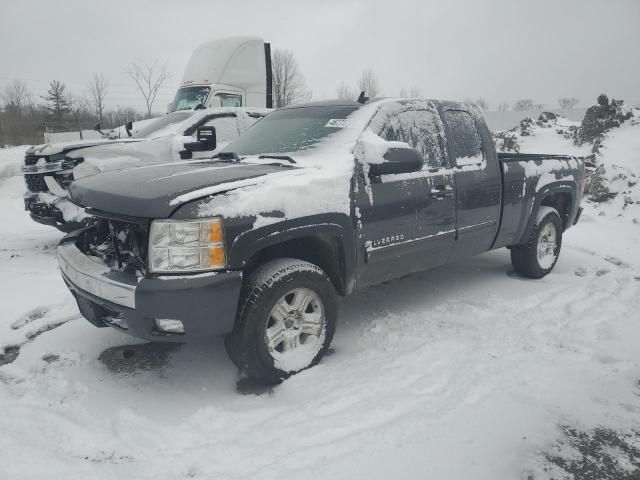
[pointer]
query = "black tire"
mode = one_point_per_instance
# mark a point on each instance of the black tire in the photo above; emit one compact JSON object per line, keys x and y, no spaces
{"x":268,"y":284}
{"x":524,"y":258}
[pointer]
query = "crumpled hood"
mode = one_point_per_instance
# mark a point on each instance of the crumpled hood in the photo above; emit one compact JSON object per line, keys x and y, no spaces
{"x":151,"y":191}
{"x":64,"y":147}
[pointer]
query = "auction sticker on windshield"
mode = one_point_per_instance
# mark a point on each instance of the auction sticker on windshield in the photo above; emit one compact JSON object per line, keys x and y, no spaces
{"x":337,"y":123}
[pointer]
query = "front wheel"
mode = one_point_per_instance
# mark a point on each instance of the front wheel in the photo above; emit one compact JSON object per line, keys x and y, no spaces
{"x":286,"y":321}
{"x":539,"y":255}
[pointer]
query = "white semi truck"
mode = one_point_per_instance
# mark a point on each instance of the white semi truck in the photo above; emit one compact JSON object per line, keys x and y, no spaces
{"x":227,"y":72}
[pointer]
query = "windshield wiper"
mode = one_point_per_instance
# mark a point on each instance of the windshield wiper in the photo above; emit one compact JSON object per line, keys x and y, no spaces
{"x":227,"y":156}
{"x":279,"y":157}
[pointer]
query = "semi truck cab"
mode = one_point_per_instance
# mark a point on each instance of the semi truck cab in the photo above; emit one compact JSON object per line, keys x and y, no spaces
{"x":226,"y":72}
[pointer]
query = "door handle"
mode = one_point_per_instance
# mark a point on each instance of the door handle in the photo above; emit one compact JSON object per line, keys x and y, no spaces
{"x":440,"y":192}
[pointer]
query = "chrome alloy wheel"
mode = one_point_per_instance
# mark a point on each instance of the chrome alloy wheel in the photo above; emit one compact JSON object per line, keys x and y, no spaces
{"x":296,"y":321}
{"x":547,"y":244}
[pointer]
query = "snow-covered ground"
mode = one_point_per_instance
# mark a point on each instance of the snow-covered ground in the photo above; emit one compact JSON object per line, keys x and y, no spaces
{"x":465,"y":372}
{"x":11,"y":160}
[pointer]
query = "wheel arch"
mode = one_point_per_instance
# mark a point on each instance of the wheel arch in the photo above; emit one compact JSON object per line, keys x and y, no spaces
{"x":559,"y":195}
{"x":327,"y":244}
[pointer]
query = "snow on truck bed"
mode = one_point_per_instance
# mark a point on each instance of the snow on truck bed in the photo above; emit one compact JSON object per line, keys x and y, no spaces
{"x":468,"y":371}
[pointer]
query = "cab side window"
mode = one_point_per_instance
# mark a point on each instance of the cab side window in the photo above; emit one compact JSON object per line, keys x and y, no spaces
{"x":465,"y":146}
{"x":226,"y":127}
{"x":229,"y":100}
{"x":421,"y":130}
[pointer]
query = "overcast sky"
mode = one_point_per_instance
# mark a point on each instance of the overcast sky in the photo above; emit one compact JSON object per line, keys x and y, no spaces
{"x":501,"y":50}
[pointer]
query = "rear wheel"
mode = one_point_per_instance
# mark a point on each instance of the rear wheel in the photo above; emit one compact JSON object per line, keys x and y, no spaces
{"x":539,"y":255}
{"x":286,"y":321}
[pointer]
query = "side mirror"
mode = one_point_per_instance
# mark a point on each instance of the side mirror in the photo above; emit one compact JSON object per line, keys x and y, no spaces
{"x":205,"y":142}
{"x":397,"y":160}
{"x":128,"y":127}
{"x":207,"y":136}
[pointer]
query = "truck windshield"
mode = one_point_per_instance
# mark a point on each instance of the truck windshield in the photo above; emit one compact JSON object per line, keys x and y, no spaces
{"x":291,"y":130}
{"x":188,"y":98}
{"x":163,"y":125}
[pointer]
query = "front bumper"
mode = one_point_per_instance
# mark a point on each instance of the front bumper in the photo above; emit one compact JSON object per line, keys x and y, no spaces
{"x":205,"y":303}
{"x":48,"y":214}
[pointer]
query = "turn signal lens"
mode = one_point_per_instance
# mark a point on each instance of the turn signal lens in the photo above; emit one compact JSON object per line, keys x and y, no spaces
{"x":216,"y":257}
{"x":215,"y":232}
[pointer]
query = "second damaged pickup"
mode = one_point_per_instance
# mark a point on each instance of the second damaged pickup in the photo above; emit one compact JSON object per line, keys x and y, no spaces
{"x":313,"y":202}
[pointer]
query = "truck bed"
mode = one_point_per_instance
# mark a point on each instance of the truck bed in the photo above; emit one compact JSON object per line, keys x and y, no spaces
{"x":525,"y":177}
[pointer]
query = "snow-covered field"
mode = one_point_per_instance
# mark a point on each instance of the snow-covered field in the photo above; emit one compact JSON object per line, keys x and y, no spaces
{"x":465,"y":372}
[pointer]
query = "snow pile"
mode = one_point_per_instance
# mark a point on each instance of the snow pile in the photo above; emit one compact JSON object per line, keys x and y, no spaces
{"x":551,"y":133}
{"x":608,"y":138}
{"x":11,"y":160}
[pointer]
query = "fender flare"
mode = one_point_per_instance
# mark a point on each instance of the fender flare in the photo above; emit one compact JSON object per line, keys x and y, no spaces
{"x":247,"y":244}
{"x":561,"y":186}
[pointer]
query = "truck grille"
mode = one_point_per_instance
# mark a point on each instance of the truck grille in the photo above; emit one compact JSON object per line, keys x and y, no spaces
{"x":121,"y":245}
{"x":31,"y":159}
{"x":35,"y":182}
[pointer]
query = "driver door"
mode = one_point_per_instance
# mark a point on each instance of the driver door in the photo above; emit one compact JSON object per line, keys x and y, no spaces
{"x":406,"y":220}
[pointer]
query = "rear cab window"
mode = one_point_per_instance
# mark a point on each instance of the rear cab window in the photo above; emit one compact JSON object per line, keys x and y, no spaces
{"x":463,"y":139}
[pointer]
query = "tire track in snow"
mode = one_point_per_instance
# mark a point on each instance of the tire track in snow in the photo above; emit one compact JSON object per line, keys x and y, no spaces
{"x":30,"y":326}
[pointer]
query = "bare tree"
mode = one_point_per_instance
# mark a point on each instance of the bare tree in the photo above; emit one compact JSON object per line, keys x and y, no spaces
{"x":16,"y":95}
{"x":414,"y":92}
{"x":345,"y":92}
{"x":149,"y":77}
{"x":482,"y":104}
{"x":79,"y":110}
{"x":479,"y":102}
{"x":289,"y":85}
{"x":368,"y":83}
{"x":568,"y":102}
{"x":121,"y":115}
{"x":98,"y":89}
{"x":57,"y":100}
{"x":523,"y":104}
{"x":503,"y":107}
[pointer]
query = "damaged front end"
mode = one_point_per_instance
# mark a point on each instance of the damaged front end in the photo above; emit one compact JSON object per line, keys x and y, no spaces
{"x":121,"y":243}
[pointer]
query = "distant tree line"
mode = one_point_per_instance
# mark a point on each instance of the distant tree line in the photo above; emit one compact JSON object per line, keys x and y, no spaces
{"x":25,"y":117}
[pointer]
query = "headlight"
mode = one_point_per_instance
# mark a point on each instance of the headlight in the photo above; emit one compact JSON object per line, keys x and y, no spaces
{"x":186,"y":245}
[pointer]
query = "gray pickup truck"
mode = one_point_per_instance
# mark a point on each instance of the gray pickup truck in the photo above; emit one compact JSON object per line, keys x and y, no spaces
{"x":313,"y":202}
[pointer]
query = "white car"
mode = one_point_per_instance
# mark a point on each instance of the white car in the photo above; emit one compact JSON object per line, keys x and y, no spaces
{"x":49,"y":169}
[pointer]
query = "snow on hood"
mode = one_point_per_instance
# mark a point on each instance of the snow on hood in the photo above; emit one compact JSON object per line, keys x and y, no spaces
{"x":119,"y":156}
